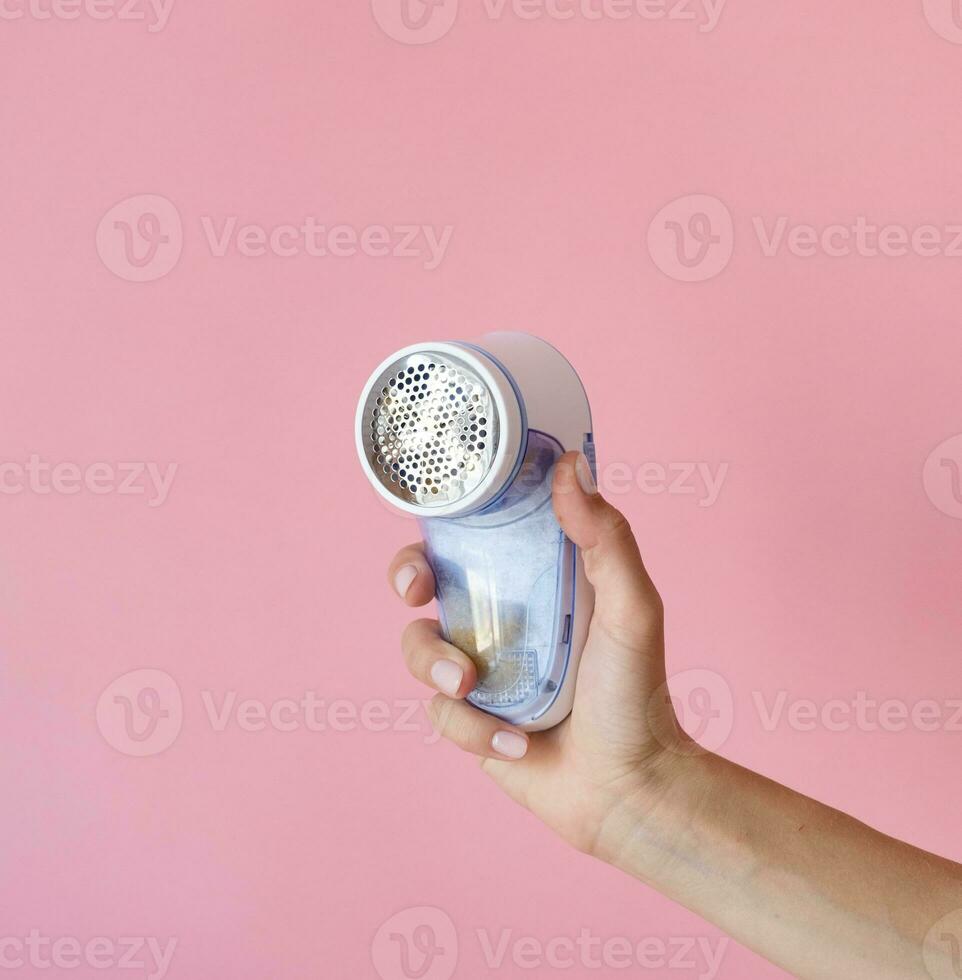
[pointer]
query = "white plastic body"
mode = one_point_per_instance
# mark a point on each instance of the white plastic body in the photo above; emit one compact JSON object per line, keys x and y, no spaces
{"x":534,"y":389}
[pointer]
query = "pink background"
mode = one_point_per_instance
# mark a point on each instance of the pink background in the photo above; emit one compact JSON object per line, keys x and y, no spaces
{"x":824,"y":568}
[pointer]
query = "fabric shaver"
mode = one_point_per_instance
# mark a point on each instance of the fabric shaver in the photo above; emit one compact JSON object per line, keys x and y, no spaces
{"x":464,"y":436}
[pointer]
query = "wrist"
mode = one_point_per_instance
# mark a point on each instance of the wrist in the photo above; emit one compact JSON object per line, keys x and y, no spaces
{"x":649,"y":826}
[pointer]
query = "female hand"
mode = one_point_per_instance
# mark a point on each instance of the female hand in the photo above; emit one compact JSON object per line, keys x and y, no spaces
{"x":810,"y":888}
{"x":620,"y":740}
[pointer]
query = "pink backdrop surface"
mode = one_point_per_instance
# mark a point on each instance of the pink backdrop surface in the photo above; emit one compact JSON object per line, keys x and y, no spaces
{"x":626,"y":185}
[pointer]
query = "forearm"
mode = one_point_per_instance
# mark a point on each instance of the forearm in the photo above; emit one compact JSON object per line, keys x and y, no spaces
{"x":804,"y":885}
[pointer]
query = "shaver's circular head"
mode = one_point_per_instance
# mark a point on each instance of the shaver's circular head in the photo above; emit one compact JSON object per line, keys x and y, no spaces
{"x":430,"y":428}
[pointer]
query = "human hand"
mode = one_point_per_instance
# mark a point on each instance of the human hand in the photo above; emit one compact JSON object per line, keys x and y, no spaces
{"x":621,"y":739}
{"x":813,"y":890}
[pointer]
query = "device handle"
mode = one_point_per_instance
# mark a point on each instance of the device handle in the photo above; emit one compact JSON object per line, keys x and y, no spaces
{"x":506,"y":579}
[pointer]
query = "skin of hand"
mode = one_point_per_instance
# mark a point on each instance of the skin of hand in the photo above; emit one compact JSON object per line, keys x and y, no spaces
{"x":808,"y":887}
{"x":621,"y":732}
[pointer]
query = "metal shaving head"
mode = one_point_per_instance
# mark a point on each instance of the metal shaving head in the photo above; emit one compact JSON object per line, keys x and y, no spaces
{"x":430,"y":429}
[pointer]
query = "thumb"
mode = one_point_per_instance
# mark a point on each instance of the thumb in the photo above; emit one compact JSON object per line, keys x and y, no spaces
{"x":627,"y":605}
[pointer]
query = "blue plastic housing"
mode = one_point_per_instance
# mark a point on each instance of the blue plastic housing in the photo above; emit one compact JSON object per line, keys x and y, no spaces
{"x":505,"y":585}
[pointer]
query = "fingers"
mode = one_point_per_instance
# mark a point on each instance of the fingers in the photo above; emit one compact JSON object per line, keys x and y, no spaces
{"x":411,"y":577}
{"x":444,"y":667}
{"x":476,"y":732}
{"x":435,"y":662}
{"x":626,"y":601}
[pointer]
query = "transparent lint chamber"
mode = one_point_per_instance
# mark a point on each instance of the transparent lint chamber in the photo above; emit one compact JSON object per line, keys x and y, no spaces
{"x":505,"y":586}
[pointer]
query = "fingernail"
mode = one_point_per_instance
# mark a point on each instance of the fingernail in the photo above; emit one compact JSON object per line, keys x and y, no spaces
{"x":509,"y":744}
{"x":583,"y":471}
{"x":403,"y":578}
{"x":447,"y":676}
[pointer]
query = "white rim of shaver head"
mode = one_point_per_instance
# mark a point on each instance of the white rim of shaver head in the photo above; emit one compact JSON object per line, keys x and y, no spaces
{"x":510,"y":422}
